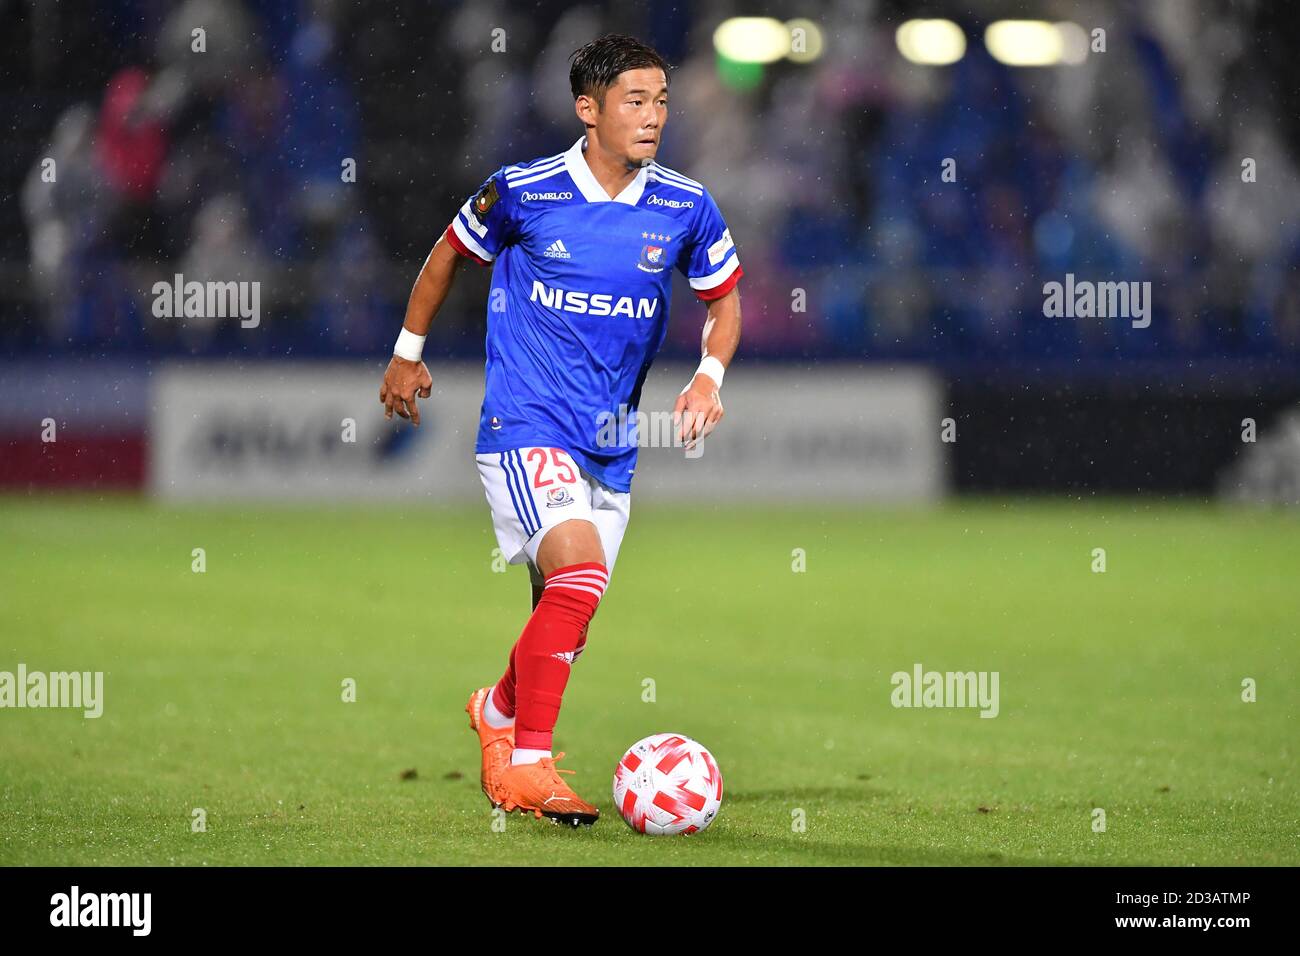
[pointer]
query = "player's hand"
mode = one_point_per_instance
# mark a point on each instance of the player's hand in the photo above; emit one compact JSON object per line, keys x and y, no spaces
{"x":403,"y":381}
{"x":698,"y":410}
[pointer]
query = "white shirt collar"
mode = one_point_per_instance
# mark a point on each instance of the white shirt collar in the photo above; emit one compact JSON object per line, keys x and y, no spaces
{"x":593,"y":191}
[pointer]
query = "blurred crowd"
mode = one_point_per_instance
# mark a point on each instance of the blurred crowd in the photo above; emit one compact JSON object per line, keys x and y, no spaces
{"x":232,"y":163}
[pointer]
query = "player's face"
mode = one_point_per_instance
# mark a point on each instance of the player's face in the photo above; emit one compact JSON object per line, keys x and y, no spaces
{"x":636,"y":109}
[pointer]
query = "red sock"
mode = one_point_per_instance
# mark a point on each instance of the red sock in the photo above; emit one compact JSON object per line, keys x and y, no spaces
{"x":503,"y":694}
{"x":533,"y":685}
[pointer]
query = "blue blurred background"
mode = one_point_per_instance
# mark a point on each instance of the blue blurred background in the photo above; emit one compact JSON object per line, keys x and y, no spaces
{"x":1157,"y":144}
{"x":1126,"y":166}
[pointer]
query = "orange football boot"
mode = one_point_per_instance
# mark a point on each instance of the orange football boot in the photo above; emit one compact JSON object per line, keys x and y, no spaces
{"x":497,"y":744}
{"x":539,"y":788}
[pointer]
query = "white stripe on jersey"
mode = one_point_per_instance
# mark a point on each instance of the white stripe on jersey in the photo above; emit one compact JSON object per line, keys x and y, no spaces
{"x":532,"y":179}
{"x":516,"y":172}
{"x":704,"y":283}
{"x":673,"y":174}
{"x":676,"y":185}
{"x":472,"y":220}
{"x":471,"y":243}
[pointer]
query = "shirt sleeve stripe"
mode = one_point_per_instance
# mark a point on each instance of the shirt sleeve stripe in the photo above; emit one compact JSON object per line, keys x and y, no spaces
{"x":472,"y":221}
{"x":674,"y":174}
{"x":513,"y":176}
{"x":718,"y":291}
{"x":511,"y":184}
{"x":704,"y":283}
{"x":464,"y":244}
{"x":676,"y":185}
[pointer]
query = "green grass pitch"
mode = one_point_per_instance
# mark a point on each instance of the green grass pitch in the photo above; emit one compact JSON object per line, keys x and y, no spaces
{"x":1119,"y":690}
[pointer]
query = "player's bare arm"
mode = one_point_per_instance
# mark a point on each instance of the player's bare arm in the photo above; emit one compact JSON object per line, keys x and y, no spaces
{"x":406,"y":378}
{"x":699,"y":407}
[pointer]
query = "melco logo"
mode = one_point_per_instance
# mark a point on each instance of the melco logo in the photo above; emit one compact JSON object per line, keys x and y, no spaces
{"x":526,"y":197}
{"x":671,"y":203}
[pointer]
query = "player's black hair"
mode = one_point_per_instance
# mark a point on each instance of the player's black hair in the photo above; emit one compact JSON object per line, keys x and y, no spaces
{"x":597,"y":65}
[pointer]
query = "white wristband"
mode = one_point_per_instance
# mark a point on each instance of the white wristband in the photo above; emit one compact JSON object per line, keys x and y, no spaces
{"x":409,"y":345}
{"x":712,"y":368}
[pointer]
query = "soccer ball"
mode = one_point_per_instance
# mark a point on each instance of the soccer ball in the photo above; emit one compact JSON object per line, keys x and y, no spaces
{"x":667,"y":784}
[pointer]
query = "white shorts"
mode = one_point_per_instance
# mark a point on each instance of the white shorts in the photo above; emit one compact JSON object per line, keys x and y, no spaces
{"x":531,"y":490}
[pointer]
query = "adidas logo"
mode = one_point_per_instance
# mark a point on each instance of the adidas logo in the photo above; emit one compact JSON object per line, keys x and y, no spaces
{"x":556,"y":250}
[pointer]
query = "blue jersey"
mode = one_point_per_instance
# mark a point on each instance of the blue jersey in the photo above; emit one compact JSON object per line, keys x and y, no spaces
{"x":579,"y":300}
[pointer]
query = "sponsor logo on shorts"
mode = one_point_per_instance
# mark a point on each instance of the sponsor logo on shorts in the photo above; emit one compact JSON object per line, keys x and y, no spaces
{"x":558,"y":498}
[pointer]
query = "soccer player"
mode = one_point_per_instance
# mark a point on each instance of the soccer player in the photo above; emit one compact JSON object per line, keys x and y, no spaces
{"x":583,"y":245}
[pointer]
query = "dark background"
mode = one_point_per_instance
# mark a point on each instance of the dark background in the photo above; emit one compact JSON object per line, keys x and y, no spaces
{"x":1125,"y":167}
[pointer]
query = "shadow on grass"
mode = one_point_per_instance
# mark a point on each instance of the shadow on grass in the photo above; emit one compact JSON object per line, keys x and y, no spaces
{"x":849,"y":793}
